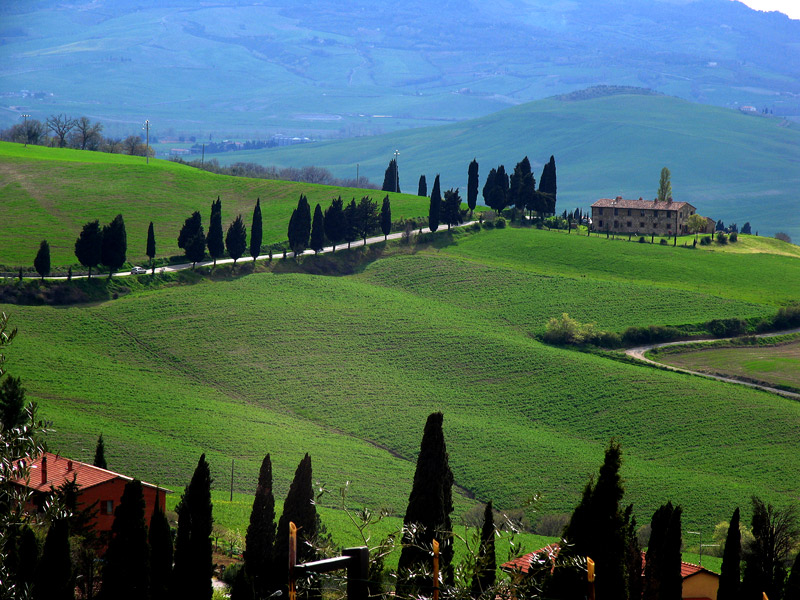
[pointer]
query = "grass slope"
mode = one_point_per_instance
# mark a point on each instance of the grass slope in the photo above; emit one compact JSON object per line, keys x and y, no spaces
{"x":731,"y":166}
{"x":49,"y":193}
{"x":347,"y":368}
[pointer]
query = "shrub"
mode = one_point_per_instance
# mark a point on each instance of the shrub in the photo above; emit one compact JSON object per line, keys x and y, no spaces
{"x":722,"y":239}
{"x":726,"y":327}
{"x":642,"y":240}
{"x":552,"y":525}
{"x":784,"y":237}
{"x":556,"y":222}
{"x":663,"y":242}
{"x":488,"y":224}
{"x":734,"y":237}
{"x":500,"y":223}
{"x":230,"y":572}
{"x":649,"y":335}
{"x":705,"y":240}
{"x":475,"y":227}
{"x":787,"y":317}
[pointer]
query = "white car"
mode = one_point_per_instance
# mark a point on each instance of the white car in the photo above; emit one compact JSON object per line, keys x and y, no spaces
{"x":138,"y":271}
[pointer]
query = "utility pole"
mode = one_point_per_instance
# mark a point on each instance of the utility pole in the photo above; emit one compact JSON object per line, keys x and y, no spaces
{"x":147,"y":147}
{"x":203,"y":157}
{"x":27,"y":135}
{"x":396,"y":172}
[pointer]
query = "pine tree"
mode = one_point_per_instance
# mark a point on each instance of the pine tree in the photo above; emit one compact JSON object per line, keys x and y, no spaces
{"x":160,"y":540}
{"x":100,"y":453}
{"x":42,"y":261}
{"x":633,"y":555}
{"x":435,"y":206}
{"x":367,"y":218}
{"x":428,"y":514}
{"x":391,"y":178}
{"x":299,"y":508}
{"x":792,"y":589}
{"x":256,"y":231}
{"x":236,"y":239}
{"x":730,"y":573}
{"x":88,"y":246}
{"x":350,"y":214}
{"x":472,"y":185}
{"x":335,"y":223}
{"x":451,"y":209}
{"x":662,"y":572}
{"x":486,"y":563}
{"x":317,"y":241}
{"x":548,"y":183}
{"x":126,"y":572}
{"x":260,"y":540}
{"x":422,"y":188}
{"x":664,"y":186}
{"x":214,"y":241}
{"x":386,"y":218}
{"x":150,"y":250}
{"x":115,"y":245}
{"x":193,"y":564}
{"x":12,"y":403}
{"x":192,"y":238}
{"x":54,"y":578}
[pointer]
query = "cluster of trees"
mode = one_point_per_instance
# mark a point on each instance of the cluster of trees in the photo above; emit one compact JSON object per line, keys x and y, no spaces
{"x":447,"y":210}
{"x":338,"y":223}
{"x":67,"y":132}
{"x":519,"y":190}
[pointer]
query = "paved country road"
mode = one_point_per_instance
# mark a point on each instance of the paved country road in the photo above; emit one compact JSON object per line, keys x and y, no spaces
{"x":639,"y":354}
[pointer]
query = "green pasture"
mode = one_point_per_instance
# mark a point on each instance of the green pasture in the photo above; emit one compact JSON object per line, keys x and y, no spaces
{"x":50,"y":193}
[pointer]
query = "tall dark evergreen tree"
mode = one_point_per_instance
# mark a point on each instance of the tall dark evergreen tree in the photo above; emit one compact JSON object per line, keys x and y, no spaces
{"x":496,"y":189}
{"x":214,"y":241}
{"x":42,"y":261}
{"x":386,"y":217}
{"x":12,"y":402}
{"x":54,"y":577}
{"x":633,"y":555}
{"x":192,"y":238}
{"x":451,"y":208}
{"x":260,"y":540}
{"x":89,"y":245}
{"x":236,"y":239}
{"x":160,"y":540}
{"x":317,"y":241}
{"x":730,"y":573}
{"x":126,"y":571}
{"x":428,"y":514}
{"x":335,"y":223}
{"x":350,"y":214}
{"x":256,"y":231}
{"x":662,"y":572}
{"x":193,"y":564}
{"x":115,"y":245}
{"x":300,"y":226}
{"x":25,"y":557}
{"x":150,"y":249}
{"x":792,"y":589}
{"x":486,"y":563}
{"x":100,"y":453}
{"x":367,"y":218}
{"x":391,"y":178}
{"x":299,"y":508}
{"x":472,"y":185}
{"x":520,"y":184}
{"x":422,"y":188}
{"x":435,"y":207}
{"x":548,"y":183}
{"x":746,"y":229}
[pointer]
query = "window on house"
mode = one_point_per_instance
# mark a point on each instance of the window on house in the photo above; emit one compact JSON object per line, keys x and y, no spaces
{"x":641,"y":213}
{"x":629,"y":224}
{"x":655,"y":214}
{"x":600,"y":223}
{"x":616,"y":224}
{"x":600,"y":211}
{"x":641,"y":223}
{"x":109,"y":507}
{"x":629,"y":212}
{"x":616,"y":212}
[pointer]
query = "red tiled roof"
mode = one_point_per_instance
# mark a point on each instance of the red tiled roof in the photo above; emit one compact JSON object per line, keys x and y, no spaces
{"x":61,"y":469}
{"x":523,"y":563}
{"x":639,"y":204}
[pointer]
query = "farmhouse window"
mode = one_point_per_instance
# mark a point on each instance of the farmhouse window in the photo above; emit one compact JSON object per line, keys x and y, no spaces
{"x":601,"y":211}
{"x":616,"y":224}
{"x":629,"y":212}
{"x":616,"y":212}
{"x":108,"y":507}
{"x":600,"y":223}
{"x":641,"y":213}
{"x":655,"y":214}
{"x":629,"y":223}
{"x":641,"y":223}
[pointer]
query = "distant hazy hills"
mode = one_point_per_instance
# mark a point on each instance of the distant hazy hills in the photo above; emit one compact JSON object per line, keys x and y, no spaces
{"x":247,"y":68}
{"x":732,"y":166}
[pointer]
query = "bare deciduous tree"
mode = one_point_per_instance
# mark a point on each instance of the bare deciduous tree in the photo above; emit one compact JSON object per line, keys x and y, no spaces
{"x":61,"y":125}
{"x":87,"y":134}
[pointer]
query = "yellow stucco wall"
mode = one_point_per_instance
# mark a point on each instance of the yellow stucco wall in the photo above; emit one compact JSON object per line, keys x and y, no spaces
{"x":701,"y":585}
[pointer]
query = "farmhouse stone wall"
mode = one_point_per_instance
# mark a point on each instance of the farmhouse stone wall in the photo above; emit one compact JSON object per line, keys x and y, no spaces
{"x":642,"y":217}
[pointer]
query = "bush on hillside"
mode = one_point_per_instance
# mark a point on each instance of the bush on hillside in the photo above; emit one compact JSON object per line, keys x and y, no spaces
{"x":556,"y":222}
{"x":552,"y":525}
{"x":705,"y":240}
{"x":734,"y":237}
{"x":642,"y":240}
{"x":565,"y":330}
{"x":488,"y":224}
{"x":649,"y":335}
{"x":663,"y":242}
{"x":788,"y":317}
{"x":500,"y":223}
{"x":726,"y":327}
{"x":722,"y":239}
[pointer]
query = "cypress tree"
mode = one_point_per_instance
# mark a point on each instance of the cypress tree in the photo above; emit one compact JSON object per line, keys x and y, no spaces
{"x":486,"y":563}
{"x":42,"y":261}
{"x":501,"y":182}
{"x":192,"y":238}
{"x":256,"y":231}
{"x":300,"y":226}
{"x":664,"y":186}
{"x":26,"y":557}
{"x":730,"y":573}
{"x":351,"y":222}
{"x":88,"y":246}
{"x":422,"y":188}
{"x":391,"y":178}
{"x":472,"y":185}
{"x":317,"y":241}
{"x":775,"y":534}
{"x":100,"y":453}
{"x":428,"y":514}
{"x":518,"y":184}
{"x":792,"y":589}
{"x":299,"y":508}
{"x":366,"y":217}
{"x":386,"y":218}
{"x":435,"y":206}
{"x":54,"y":578}
{"x":662,"y":572}
{"x":126,"y":572}
{"x":150,"y":250}
{"x":260,"y":540}
{"x":160,"y":539}
{"x":633,"y":555}
{"x":236,"y":239}
{"x":746,"y":229}
{"x":115,"y":244}
{"x":214,"y":241}
{"x":488,"y":187}
{"x":335,"y":223}
{"x":452,"y":208}
{"x":12,"y":403}
{"x":193,"y":564}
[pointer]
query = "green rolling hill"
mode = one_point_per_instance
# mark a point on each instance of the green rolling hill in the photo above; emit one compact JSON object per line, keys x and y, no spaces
{"x":732,"y":166}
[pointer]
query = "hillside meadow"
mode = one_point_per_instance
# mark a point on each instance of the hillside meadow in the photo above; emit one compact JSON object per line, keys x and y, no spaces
{"x":347,"y":368}
{"x":50,"y":193}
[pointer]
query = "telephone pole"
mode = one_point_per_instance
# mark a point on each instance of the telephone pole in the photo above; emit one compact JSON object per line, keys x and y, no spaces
{"x":147,"y":147}
{"x":396,"y":172}
{"x":27,"y":135}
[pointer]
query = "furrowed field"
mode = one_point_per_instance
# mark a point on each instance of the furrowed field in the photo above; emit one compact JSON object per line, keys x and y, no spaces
{"x":347,"y":368}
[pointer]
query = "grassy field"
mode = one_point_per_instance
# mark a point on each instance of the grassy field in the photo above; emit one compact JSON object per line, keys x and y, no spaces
{"x":49,"y":193}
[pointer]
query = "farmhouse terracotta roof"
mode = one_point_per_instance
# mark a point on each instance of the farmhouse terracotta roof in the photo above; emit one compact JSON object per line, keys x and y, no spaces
{"x":54,"y":470}
{"x":620,"y":202}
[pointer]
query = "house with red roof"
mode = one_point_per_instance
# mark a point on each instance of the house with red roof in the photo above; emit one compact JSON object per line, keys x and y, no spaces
{"x":641,"y":217}
{"x":698,"y":582}
{"x":98,"y":488}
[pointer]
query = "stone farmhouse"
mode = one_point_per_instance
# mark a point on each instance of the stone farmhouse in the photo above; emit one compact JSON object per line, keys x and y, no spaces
{"x":641,"y":217}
